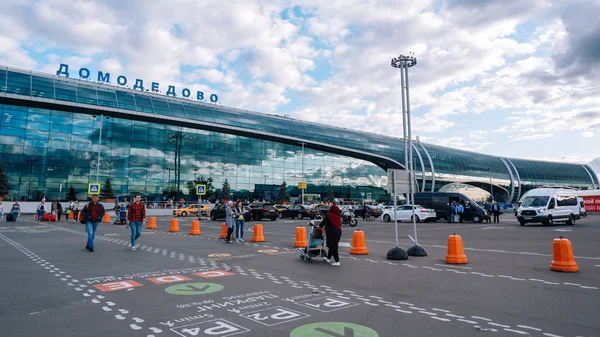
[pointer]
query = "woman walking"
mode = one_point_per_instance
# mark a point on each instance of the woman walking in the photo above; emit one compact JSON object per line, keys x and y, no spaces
{"x":333,"y":232}
{"x":229,"y":214}
{"x":239,"y":222}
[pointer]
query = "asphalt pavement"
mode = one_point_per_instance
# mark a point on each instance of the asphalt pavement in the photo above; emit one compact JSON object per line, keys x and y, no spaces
{"x":178,"y":284}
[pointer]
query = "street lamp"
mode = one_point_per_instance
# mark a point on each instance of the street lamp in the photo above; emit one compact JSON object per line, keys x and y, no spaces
{"x":30,"y":161}
{"x":403,"y":62}
{"x":265,"y":176}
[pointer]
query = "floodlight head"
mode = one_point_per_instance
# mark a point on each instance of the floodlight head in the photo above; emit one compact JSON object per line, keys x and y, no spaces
{"x":404,"y":61}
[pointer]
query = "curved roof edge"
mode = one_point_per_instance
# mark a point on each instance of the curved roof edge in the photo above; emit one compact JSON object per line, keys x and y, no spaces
{"x":381,"y":161}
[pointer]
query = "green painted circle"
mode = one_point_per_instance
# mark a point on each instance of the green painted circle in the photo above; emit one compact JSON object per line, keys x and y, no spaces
{"x":328,"y":329}
{"x":194,"y":288}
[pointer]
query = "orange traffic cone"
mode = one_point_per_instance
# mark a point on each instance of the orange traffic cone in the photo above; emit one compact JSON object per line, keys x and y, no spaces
{"x":359,"y":246}
{"x":152,"y":223}
{"x":195,"y":227}
{"x":456,"y":252}
{"x":174,"y":226}
{"x":70,"y":215}
{"x":562,"y":259}
{"x":258,"y":234}
{"x":301,"y":241}
{"x":106,"y":218}
{"x":223,"y":231}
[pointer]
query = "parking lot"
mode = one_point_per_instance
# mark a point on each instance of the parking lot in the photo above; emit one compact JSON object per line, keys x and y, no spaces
{"x":182,"y":285}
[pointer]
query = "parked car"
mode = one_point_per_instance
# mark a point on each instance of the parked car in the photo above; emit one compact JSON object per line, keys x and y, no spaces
{"x":261,"y":210}
{"x":191,"y":209}
{"x":299,"y":211}
{"x":374,"y":211}
{"x":281,"y":207}
{"x":404,"y":213}
{"x":323,"y":209}
{"x":218,"y":213}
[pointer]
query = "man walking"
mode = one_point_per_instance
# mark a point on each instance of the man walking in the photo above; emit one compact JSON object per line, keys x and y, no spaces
{"x":136,"y":218}
{"x":91,"y":215}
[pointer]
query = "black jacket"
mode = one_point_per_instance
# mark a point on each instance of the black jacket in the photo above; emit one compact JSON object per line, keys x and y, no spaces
{"x":85,"y":214}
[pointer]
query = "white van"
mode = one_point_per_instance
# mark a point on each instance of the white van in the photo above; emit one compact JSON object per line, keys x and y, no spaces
{"x":549,"y":205}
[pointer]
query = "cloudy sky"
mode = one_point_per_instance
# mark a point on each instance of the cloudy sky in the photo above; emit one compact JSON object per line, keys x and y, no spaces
{"x":509,"y":78}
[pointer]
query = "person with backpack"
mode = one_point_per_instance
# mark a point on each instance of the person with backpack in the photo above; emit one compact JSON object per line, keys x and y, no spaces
{"x":41,"y":210}
{"x":91,"y":215}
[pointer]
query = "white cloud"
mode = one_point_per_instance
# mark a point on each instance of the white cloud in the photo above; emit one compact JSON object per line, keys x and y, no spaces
{"x":518,"y":64}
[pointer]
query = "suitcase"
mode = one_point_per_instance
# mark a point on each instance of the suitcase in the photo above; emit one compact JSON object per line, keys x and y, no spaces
{"x":10,"y":217}
{"x":49,"y":217}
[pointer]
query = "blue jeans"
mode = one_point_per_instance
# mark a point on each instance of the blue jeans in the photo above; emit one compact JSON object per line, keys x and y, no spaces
{"x":15,"y":216}
{"x":136,"y":231}
{"x":91,"y":228}
{"x":41,"y":215}
{"x":239,"y":229}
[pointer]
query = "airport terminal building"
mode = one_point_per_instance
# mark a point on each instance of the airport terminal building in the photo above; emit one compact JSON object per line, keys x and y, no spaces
{"x":52,"y":129}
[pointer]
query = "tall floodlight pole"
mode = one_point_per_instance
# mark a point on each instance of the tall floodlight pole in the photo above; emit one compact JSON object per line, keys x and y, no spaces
{"x":403,"y":62}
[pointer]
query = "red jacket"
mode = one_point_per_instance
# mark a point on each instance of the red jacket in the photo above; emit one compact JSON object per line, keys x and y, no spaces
{"x":136,"y":212}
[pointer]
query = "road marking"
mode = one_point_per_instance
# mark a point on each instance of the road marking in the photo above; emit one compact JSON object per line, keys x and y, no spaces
{"x":500,"y":325}
{"x":344,"y":244}
{"x":442,"y":310}
{"x":404,"y":311}
{"x":572,"y":284}
{"x":481,"y":318}
{"x":447,"y":266}
{"x":529,"y":327}
{"x":441,"y":319}
{"x":517,"y":331}
{"x":467,"y":321}
{"x":551,"y":334}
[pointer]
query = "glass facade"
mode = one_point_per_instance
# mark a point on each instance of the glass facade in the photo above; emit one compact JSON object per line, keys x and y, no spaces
{"x":49,"y":136}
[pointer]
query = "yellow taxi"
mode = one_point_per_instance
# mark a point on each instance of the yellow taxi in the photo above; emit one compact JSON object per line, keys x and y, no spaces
{"x":190,"y":209}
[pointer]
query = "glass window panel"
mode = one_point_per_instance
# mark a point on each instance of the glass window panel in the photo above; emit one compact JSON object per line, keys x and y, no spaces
{"x":42,"y":87}
{"x":18,"y":83}
{"x":143,"y":103}
{"x":2,"y":80}
{"x":176,"y":109}
{"x":87,"y":96}
{"x":64,"y":91}
{"x":160,"y":106}
{"x":107,"y":98}
{"x":125,"y":100}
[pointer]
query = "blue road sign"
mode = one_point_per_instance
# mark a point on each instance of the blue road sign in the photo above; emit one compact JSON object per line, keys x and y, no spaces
{"x":93,"y":188}
{"x":201,"y":189}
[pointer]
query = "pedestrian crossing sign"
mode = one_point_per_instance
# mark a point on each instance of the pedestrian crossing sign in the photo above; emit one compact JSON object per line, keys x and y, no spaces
{"x":93,"y":188}
{"x":200,"y":189}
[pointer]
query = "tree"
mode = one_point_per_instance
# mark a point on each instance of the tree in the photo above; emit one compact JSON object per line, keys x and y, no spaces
{"x":4,"y":186}
{"x":226,"y":191}
{"x":106,"y":192}
{"x":72,"y":195}
{"x":283,"y":194}
{"x":330,"y":195}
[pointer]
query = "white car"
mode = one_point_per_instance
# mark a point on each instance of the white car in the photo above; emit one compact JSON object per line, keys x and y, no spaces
{"x":404,"y":213}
